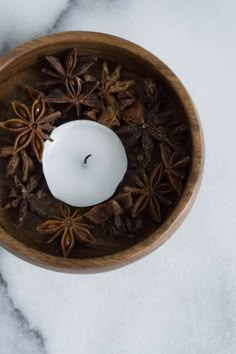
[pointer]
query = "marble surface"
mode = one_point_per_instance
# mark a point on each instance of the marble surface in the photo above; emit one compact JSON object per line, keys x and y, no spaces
{"x":180,"y":299}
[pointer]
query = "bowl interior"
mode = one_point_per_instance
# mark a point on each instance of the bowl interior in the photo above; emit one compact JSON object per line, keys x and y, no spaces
{"x":22,"y":67}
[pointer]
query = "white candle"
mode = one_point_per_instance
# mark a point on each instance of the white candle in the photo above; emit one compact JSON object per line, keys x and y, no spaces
{"x":84,"y":163}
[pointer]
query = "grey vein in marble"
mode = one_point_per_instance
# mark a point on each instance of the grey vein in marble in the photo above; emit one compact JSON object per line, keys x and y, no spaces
{"x":16,"y":334}
{"x":62,"y":16}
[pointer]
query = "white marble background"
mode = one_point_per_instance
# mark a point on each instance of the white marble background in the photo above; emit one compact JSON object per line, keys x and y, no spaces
{"x":182,"y":298}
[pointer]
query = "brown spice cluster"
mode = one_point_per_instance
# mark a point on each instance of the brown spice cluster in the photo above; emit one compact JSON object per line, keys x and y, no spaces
{"x":146,"y":120}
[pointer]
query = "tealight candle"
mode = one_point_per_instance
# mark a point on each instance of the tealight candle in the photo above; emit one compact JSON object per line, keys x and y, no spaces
{"x":84,"y":163}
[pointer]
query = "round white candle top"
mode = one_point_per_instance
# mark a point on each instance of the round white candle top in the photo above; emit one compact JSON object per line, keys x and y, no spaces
{"x":84,"y":163}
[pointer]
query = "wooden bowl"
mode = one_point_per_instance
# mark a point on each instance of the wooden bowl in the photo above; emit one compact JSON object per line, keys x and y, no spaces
{"x":14,"y":69}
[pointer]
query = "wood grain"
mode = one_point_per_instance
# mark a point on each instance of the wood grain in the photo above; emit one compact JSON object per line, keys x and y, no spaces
{"x":20,"y":59}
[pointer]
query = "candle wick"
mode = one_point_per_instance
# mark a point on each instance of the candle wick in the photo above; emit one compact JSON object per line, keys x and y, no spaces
{"x":86,"y":158}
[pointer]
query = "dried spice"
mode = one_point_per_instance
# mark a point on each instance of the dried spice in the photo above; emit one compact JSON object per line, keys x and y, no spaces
{"x":134,"y":114}
{"x":149,"y":192}
{"x":152,"y":95}
{"x":70,"y":227}
{"x":153,"y":130}
{"x":20,"y":161}
{"x":132,"y":109}
{"x":126,"y":226}
{"x":35,"y":94}
{"x":24,"y":197}
{"x":174,"y":167}
{"x":111,"y":85}
{"x":115,"y":207}
{"x":146,"y":118}
{"x":75,"y":97}
{"x":67,"y":72}
{"x":126,"y":99}
{"x":107,"y":117}
{"x":139,"y":159}
{"x":31,"y":126}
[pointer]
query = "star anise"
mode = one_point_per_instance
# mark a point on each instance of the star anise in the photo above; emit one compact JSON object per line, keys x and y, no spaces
{"x":24,"y":197}
{"x":70,"y":228}
{"x":65,"y":72}
{"x":126,"y":99}
{"x":138,"y":158}
{"x":126,"y":226}
{"x":76,"y":96}
{"x":35,"y":94}
{"x":150,"y":192}
{"x":131,"y":109}
{"x":107,"y":117}
{"x":20,"y":159}
{"x":31,"y":126}
{"x":174,"y":167}
{"x":111,"y":85}
{"x":115,"y":207}
{"x":153,"y":129}
{"x":152,"y":95}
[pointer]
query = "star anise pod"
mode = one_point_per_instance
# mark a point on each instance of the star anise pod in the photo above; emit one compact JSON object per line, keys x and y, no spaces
{"x":138,"y":158}
{"x":70,"y":227}
{"x":111,"y":85}
{"x":35,"y":94}
{"x":153,"y":129}
{"x":131,"y":108}
{"x":126,"y":226}
{"x":65,"y":72}
{"x":24,"y":197}
{"x":149,"y":192}
{"x":20,"y":159}
{"x":174,"y":167}
{"x":115,"y":207}
{"x":126,"y":108}
{"x":152,"y":95}
{"x":125,"y":99}
{"x":76,"y":97}
{"x":107,"y":117}
{"x":133,"y":114}
{"x":31,"y":126}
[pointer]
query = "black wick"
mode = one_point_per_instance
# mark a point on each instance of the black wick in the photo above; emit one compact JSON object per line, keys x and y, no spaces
{"x":86,"y":158}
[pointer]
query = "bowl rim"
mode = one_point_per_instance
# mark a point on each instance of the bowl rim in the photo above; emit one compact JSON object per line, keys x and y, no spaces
{"x":170,"y":225}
